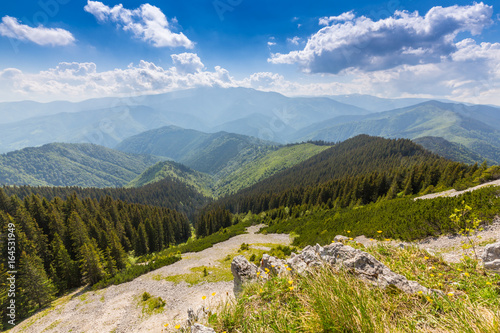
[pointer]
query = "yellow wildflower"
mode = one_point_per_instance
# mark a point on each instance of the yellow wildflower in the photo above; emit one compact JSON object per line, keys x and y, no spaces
{"x":466,"y":274}
{"x":291,"y":288}
{"x":348,"y":231}
{"x":379,"y":231}
{"x":488,"y":283}
{"x":203,"y":297}
{"x":450,"y":294}
{"x":420,"y":292}
{"x":177,"y":327}
{"x":288,"y":269}
{"x":426,"y":258}
{"x":291,"y":281}
{"x":213,"y":294}
{"x":166,"y":325}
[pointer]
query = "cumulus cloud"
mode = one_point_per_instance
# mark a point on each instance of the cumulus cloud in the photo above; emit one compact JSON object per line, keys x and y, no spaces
{"x":349,"y":16}
{"x":147,"y":23}
{"x":295,"y":40}
{"x":10,"y":27}
{"x":187,"y":63}
{"x":403,"y":39}
{"x":76,"y":81}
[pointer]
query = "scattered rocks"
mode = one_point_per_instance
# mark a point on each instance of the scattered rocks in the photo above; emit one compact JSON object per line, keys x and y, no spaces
{"x":198,"y":328}
{"x":491,"y":257}
{"x":336,"y":255}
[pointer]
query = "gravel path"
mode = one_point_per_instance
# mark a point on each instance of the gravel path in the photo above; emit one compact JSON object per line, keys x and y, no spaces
{"x":454,"y":193}
{"x":115,"y":309}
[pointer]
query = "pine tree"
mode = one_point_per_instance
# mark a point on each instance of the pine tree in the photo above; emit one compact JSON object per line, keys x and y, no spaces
{"x":35,"y":287}
{"x":65,"y":273}
{"x":91,"y":263}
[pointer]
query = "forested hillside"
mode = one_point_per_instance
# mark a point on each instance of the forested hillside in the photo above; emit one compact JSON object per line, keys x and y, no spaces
{"x":353,"y":173}
{"x":202,"y":182}
{"x":65,"y":164}
{"x":476,"y":127}
{"x":168,"y":193}
{"x":62,"y":244}
{"x":204,"y":152}
{"x":450,"y":150}
{"x":238,"y":174}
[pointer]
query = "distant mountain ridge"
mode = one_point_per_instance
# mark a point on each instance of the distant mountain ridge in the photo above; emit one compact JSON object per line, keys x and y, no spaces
{"x":65,"y":164}
{"x":450,"y":150}
{"x":108,"y":121}
{"x":456,"y":123}
{"x":205,"y":152}
{"x":237,"y":176}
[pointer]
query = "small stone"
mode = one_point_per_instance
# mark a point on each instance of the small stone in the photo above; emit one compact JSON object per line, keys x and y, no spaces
{"x":491,"y":257}
{"x":198,"y":328}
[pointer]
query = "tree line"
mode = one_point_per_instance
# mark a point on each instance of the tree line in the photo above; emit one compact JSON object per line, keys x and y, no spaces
{"x":62,"y":244}
{"x":353,"y":173}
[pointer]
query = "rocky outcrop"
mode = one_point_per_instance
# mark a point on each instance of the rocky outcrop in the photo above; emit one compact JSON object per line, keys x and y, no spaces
{"x":243,"y":272}
{"x":336,"y":255}
{"x":199,"y":328}
{"x":491,"y":257}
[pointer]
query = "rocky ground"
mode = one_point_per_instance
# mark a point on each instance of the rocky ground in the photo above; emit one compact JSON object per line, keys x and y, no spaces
{"x":117,"y":309}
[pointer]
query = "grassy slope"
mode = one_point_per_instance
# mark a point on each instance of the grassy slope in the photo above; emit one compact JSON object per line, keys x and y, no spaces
{"x":169,"y":169}
{"x":61,"y":164}
{"x":449,"y":150}
{"x":247,"y":168}
{"x":331,"y":301}
{"x":266,"y":166}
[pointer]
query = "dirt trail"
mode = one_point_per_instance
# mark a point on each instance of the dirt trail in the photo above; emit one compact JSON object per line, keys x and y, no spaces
{"x":454,"y":193}
{"x":116,"y":309}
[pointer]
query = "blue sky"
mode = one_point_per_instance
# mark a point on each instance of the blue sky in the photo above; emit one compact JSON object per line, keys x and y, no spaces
{"x":75,"y":49}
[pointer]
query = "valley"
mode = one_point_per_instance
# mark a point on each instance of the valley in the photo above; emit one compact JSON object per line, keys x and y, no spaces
{"x":135,"y":230}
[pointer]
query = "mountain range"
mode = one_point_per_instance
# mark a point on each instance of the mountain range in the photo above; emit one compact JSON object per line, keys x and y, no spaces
{"x":107,"y":122}
{"x":63,"y":164}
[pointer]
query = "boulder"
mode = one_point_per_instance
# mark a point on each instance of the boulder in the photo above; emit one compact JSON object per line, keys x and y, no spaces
{"x":198,"y":328}
{"x":491,"y":257}
{"x":361,"y":264}
{"x":243,"y":272}
{"x":340,"y":238}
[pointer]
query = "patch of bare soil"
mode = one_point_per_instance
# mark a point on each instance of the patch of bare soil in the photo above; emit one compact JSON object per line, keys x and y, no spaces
{"x":117,"y":309}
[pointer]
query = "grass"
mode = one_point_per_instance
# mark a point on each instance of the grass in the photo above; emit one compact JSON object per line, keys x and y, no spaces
{"x":331,"y":301}
{"x":52,"y":325}
{"x":133,"y":271}
{"x":151,"y":305}
{"x":222,"y":271}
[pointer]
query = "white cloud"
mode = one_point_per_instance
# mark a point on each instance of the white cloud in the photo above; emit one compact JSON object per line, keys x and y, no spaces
{"x":349,"y":16}
{"x":76,"y":81}
{"x":295,"y":40}
{"x":187,"y":63}
{"x":10,"y":27}
{"x":471,"y":75}
{"x":271,"y":43}
{"x":405,"y":38}
{"x":147,"y":23}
